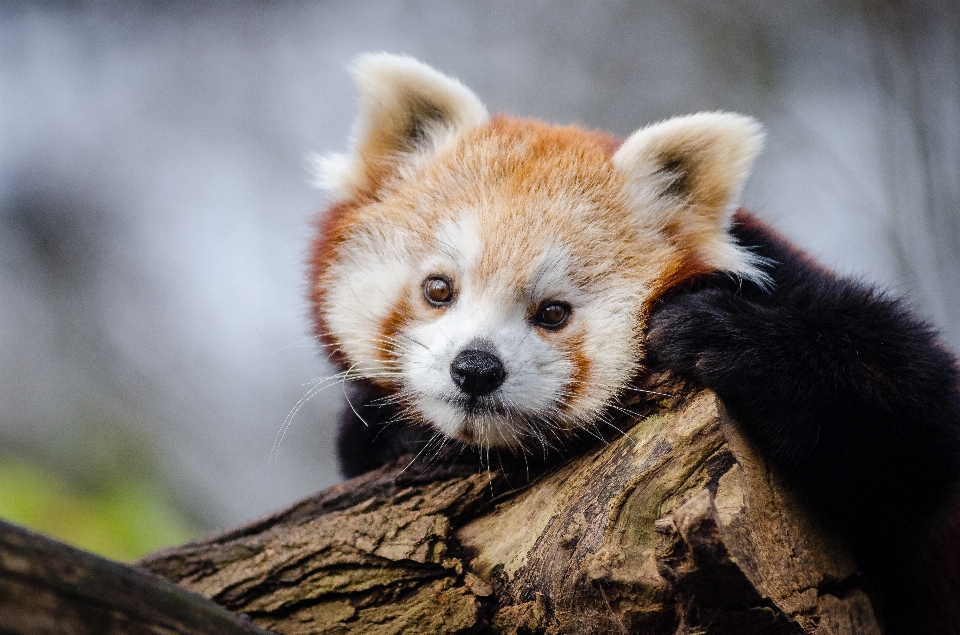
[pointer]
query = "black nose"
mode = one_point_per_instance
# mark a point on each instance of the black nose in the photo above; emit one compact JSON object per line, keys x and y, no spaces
{"x":477,"y":372}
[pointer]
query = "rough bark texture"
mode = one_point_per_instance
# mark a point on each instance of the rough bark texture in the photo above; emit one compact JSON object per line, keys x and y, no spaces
{"x":675,"y":527}
{"x":48,"y":588}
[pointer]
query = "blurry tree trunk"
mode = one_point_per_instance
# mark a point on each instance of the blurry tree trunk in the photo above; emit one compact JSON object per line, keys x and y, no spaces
{"x":49,"y":588}
{"x":675,"y":527}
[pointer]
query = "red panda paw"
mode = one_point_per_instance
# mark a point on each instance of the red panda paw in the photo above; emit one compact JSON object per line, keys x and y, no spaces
{"x":703,"y":335}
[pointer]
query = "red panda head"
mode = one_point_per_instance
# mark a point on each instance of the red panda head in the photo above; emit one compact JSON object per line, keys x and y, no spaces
{"x":493,"y":273}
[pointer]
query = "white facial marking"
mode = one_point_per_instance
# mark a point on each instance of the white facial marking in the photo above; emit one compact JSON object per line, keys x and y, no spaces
{"x":495,"y":318}
{"x":371,"y":276}
{"x":546,"y":391}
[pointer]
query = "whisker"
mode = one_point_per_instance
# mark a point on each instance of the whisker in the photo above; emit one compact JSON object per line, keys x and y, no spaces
{"x":652,"y":392}
{"x":417,"y":456}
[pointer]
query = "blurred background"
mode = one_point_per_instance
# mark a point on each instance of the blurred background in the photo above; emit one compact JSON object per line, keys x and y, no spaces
{"x":155,"y":207}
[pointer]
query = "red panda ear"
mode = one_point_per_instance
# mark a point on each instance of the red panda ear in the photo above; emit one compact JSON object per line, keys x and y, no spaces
{"x":684,"y":176}
{"x":407,"y":110}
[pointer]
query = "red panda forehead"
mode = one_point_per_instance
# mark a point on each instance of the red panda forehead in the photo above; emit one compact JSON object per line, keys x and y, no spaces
{"x":523,"y":157}
{"x":549,"y":190}
{"x":523,"y":187}
{"x":516,"y":159}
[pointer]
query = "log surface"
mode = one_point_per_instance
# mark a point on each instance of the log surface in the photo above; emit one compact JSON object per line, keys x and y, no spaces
{"x":675,"y":527}
{"x":49,"y":588}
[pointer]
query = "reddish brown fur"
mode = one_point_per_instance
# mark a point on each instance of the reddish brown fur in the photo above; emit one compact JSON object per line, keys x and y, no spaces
{"x":330,"y":232}
{"x":389,"y":329}
{"x":748,"y":220}
{"x":677,"y":273}
{"x":581,"y":373}
{"x":521,"y":156}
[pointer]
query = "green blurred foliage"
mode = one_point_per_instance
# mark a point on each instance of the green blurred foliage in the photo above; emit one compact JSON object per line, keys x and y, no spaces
{"x":121,"y":518}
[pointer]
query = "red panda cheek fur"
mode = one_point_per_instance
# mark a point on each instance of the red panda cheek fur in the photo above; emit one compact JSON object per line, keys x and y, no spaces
{"x":330,"y":228}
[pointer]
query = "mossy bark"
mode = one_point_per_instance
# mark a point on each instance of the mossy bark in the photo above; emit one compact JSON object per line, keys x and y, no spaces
{"x":675,"y":527}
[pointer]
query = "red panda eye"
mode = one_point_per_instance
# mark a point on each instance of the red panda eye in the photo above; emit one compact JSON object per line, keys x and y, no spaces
{"x":438,"y":290}
{"x":552,"y":315}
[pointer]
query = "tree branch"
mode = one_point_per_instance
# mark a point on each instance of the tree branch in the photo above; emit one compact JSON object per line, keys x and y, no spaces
{"x":48,"y":588}
{"x":675,"y":527}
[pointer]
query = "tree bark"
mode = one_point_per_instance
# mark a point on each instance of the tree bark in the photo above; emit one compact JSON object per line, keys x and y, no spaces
{"x":674,"y":527}
{"x":48,"y":588}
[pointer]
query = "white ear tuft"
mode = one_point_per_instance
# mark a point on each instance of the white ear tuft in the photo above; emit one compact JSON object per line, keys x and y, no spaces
{"x":330,"y":172}
{"x":685,"y":175}
{"x":407,"y":109}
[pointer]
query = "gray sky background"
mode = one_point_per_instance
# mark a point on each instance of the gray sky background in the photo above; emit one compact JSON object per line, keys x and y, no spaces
{"x":155,"y":207}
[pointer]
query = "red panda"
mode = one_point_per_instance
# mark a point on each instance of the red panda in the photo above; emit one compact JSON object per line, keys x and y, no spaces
{"x":500,"y":282}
